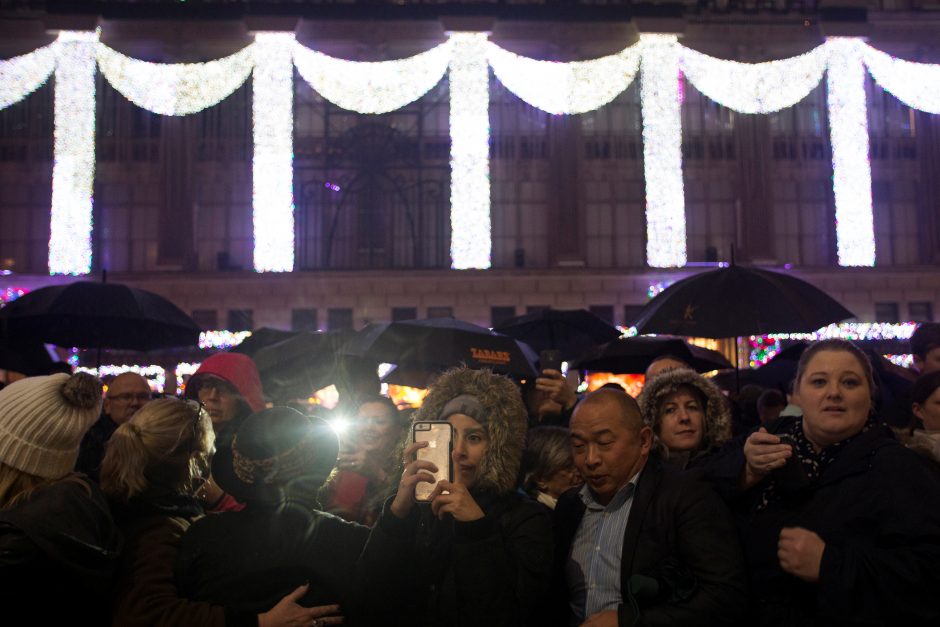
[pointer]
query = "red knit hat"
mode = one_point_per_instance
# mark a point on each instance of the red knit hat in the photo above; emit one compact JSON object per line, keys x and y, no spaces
{"x":237,"y":369}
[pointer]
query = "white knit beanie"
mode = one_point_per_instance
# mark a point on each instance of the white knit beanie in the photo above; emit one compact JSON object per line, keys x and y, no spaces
{"x":43,"y":420}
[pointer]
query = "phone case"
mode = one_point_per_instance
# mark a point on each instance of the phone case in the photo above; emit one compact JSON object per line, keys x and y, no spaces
{"x":439,"y":436}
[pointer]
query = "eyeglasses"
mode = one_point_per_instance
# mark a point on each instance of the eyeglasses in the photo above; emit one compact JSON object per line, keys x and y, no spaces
{"x":128,"y":397}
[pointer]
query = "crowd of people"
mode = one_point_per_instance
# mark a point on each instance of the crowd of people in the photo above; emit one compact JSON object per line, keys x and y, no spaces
{"x":603,"y":510}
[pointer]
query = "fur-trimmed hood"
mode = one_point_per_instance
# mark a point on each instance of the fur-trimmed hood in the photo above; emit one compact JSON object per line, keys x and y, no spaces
{"x":505,"y":426}
{"x":717,"y":412}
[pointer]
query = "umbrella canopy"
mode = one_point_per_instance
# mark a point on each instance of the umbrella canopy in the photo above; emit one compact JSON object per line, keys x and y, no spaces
{"x":435,"y":344}
{"x":27,"y":358}
{"x":98,"y":315}
{"x":570,"y":331}
{"x":737,"y":301}
{"x":261,"y":339}
{"x":633,"y":355}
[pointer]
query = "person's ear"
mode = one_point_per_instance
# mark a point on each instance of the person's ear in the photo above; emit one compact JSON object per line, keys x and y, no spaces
{"x":646,"y":439}
{"x":919,"y":363}
{"x":918,"y":411}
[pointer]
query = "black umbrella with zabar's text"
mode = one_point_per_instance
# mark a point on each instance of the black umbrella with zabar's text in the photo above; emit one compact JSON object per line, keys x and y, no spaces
{"x":435,"y":344}
{"x":87,"y":314}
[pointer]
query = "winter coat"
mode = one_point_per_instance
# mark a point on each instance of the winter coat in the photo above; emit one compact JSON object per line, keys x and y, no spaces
{"x":677,"y":524}
{"x":249,"y":560}
{"x":146,"y":592}
{"x":717,"y":413}
{"x":494,"y":571}
{"x":58,"y":553}
{"x":877,"y":508}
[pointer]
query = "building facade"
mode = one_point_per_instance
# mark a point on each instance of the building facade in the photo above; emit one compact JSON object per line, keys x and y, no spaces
{"x":173,"y":195}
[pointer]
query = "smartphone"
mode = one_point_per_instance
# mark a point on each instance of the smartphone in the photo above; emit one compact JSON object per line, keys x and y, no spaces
{"x":440,"y":437}
{"x":550,"y":359}
{"x":791,"y":477}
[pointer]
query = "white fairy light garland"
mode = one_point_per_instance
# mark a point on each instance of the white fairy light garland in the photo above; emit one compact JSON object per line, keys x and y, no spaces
{"x":273,"y":161}
{"x":565,"y":88}
{"x":851,"y":167}
{"x":372,"y":86}
{"x":470,"y":243}
{"x":755,"y":87}
{"x":73,"y":169}
{"x":174,"y":88}
{"x":743,"y":87}
{"x":24,"y":74}
{"x":662,"y":151}
{"x":915,"y":84}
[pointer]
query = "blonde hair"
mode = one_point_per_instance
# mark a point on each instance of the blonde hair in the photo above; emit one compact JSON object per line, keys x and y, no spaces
{"x":16,"y":485}
{"x":165,"y":445}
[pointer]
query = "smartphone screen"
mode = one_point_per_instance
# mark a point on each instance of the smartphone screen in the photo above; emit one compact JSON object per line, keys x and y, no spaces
{"x":550,"y":359}
{"x":439,"y":436}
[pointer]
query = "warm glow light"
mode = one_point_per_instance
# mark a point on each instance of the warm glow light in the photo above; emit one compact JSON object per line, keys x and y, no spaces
{"x":632,"y":383}
{"x":568,"y":88}
{"x":662,"y":151}
{"x":222,"y":339}
{"x":372,"y":87}
{"x":22,"y":75}
{"x":273,"y":165}
{"x":755,"y":87}
{"x":470,"y":242}
{"x":174,"y":88}
{"x":915,"y":84}
{"x":851,"y":167}
{"x":407,"y":397}
{"x":73,"y":169}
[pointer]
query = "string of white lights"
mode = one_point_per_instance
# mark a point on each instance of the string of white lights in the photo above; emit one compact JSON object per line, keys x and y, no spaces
{"x":470,"y":242}
{"x":73,"y":169}
{"x":155,"y":375}
{"x":915,"y":84}
{"x":273,"y":165}
{"x":22,"y":75}
{"x":662,"y":151}
{"x":174,"y":88}
{"x":851,"y":167}
{"x":565,"y":88}
{"x":754,"y":87}
{"x":372,"y":87}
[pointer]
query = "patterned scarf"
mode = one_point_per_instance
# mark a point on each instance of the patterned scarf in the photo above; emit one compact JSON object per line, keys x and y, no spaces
{"x":813,"y":463}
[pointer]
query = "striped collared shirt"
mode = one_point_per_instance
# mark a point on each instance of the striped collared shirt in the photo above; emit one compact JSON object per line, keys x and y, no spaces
{"x":593,"y":569}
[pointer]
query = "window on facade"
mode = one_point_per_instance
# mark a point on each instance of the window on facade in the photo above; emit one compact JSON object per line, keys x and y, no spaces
{"x":207,"y":319}
{"x":404,"y":313}
{"x":339,"y":319}
{"x":921,"y":311}
{"x":887,"y":312}
{"x":498,"y":315}
{"x":240,"y":320}
{"x":305,"y":319}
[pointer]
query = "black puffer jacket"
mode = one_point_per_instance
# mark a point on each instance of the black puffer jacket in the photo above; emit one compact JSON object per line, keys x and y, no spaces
{"x":489,"y":572}
{"x":58,"y":554}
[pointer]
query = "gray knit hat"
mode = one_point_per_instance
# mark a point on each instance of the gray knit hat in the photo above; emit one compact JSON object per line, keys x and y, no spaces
{"x":43,"y":420}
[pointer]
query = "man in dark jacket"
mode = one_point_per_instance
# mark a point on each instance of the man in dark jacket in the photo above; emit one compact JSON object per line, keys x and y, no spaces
{"x":640,"y":543}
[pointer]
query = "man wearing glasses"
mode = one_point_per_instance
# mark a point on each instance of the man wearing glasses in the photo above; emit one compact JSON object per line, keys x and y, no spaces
{"x":126,"y":393}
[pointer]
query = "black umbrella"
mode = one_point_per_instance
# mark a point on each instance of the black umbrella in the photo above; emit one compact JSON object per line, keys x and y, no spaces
{"x":27,"y":358}
{"x":570,"y":331}
{"x":261,"y":339}
{"x":633,"y":355}
{"x":438,"y":343}
{"x":86,"y":314}
{"x":737,"y":301}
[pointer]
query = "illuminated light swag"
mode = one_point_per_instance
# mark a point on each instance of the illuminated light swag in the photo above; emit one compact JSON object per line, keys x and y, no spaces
{"x":174,"y":88}
{"x":372,"y":87}
{"x":755,"y":87}
{"x":662,"y":151}
{"x":565,"y":88}
{"x":851,"y":167}
{"x":273,"y":165}
{"x":915,"y":84}
{"x":470,"y":242}
{"x":73,"y":169}
{"x":22,"y":75}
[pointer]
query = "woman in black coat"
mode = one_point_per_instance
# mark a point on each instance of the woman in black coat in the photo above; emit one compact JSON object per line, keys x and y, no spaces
{"x":841,"y":522}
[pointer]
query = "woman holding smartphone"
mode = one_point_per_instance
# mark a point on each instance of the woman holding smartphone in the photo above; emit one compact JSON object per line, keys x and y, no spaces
{"x":476,"y":552}
{"x":855,"y":542}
